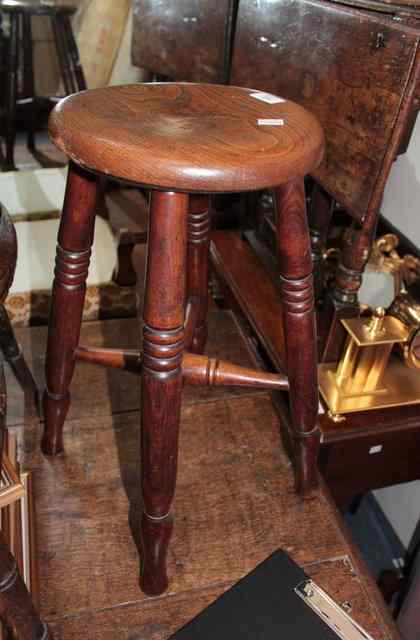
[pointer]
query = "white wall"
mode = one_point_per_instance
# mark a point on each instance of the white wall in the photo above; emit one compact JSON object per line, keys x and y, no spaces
{"x":401,"y":206}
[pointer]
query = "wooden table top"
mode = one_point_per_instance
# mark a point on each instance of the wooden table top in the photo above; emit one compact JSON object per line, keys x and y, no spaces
{"x":234,"y":504}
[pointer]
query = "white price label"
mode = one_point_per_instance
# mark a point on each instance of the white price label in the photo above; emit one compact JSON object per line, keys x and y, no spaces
{"x":266,"y":97}
{"x":376,"y":449}
{"x":273,"y":122}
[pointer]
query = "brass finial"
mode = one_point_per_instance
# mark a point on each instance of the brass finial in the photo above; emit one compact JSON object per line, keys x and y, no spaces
{"x":375,"y":326}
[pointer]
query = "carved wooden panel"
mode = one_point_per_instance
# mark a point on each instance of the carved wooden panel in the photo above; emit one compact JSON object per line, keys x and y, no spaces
{"x":185,"y":40}
{"x":351,"y":68}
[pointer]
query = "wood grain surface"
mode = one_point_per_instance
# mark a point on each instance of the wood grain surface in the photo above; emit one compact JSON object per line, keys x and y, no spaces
{"x":75,"y":238}
{"x":187,"y":40}
{"x":350,"y":68}
{"x":298,"y":320}
{"x":234,"y":504}
{"x":155,"y":620}
{"x":188,"y":137}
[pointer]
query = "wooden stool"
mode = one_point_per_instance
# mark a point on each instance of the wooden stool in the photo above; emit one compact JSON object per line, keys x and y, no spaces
{"x":181,"y":139}
{"x":20,"y":62}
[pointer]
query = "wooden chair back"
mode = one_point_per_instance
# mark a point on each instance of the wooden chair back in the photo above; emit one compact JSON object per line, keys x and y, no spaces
{"x":186,"y":40}
{"x":356,"y":70}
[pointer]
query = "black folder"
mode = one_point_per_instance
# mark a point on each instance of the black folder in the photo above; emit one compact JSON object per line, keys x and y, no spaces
{"x":270,"y":604}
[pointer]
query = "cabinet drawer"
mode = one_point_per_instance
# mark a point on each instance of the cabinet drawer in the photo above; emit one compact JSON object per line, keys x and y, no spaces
{"x":366,"y":462}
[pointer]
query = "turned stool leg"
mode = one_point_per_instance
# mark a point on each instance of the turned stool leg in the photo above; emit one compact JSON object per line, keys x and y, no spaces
{"x":75,"y":238}
{"x":15,"y":601}
{"x":197,"y":273}
{"x":296,"y":282}
{"x":163,"y":344}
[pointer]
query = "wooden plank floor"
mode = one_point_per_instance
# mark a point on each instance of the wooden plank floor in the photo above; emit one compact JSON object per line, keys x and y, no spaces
{"x":234,"y":504}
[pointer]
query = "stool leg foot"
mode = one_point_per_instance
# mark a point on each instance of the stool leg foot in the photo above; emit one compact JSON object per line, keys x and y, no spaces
{"x":163,"y":345}
{"x":155,"y":541}
{"x":72,"y":262}
{"x":55,"y":412}
{"x":297,"y":289}
{"x":197,"y":273}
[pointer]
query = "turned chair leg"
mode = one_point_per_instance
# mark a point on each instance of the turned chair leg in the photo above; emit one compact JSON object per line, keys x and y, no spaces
{"x":73,"y":53}
{"x":343,"y":297}
{"x":12,"y":80}
{"x":15,"y":601}
{"x":28,"y":78}
{"x":63,"y":55}
{"x":197,"y":273}
{"x":14,"y":356}
{"x":162,"y":380}
{"x":297,"y":290}
{"x":320,"y":213}
{"x":75,"y":239}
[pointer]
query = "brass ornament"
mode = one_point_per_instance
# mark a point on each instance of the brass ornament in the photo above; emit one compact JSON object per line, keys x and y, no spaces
{"x":380,"y":363}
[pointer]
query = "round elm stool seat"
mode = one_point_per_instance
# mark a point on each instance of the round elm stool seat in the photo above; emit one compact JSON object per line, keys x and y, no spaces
{"x":184,"y":142}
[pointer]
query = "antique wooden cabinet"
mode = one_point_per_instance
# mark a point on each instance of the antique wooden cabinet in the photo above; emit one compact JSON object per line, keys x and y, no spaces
{"x":184,"y":40}
{"x":359,"y":71}
{"x":349,"y":67}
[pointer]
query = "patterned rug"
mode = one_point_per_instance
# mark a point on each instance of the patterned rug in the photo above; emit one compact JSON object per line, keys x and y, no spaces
{"x":102,"y":302}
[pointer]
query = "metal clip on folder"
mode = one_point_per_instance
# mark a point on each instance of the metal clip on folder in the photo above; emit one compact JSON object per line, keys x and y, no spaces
{"x":276,"y":601}
{"x":333,"y":615}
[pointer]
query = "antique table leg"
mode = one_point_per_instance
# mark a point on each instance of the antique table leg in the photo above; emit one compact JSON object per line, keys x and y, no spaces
{"x":12,"y":72}
{"x":297,"y":290}
{"x":197,"y":273}
{"x":75,"y":238}
{"x":163,"y":344}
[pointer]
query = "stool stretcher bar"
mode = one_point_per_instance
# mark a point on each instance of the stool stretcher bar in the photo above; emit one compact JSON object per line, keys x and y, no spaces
{"x":197,"y":370}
